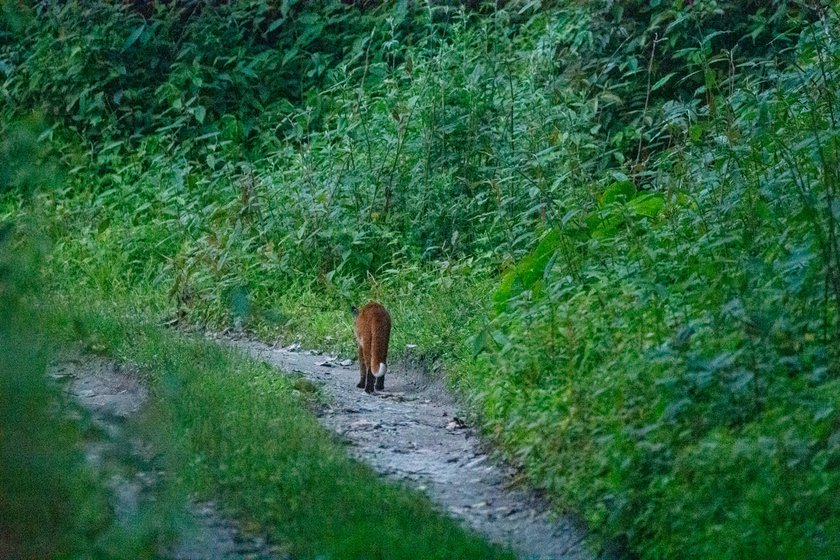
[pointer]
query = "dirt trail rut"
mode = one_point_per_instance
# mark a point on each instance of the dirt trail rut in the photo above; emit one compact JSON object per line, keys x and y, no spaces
{"x":114,"y":396}
{"x":412,"y":432}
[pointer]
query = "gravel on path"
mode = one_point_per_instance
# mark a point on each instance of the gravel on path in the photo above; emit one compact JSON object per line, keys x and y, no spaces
{"x":413,"y":432}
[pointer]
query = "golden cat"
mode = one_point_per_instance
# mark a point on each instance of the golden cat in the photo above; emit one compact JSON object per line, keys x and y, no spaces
{"x":373,"y":330}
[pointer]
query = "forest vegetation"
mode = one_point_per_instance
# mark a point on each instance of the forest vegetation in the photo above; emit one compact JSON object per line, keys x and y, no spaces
{"x":612,"y":225}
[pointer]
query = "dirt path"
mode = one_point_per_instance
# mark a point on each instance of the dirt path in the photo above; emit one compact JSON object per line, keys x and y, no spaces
{"x":115,"y":397}
{"x":412,"y":432}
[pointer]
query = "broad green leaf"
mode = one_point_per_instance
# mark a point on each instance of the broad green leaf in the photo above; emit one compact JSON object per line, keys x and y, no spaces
{"x":199,"y":112}
{"x":619,"y":191}
{"x":133,"y":37}
{"x":529,"y":271}
{"x":604,"y":223}
{"x":479,"y":343}
{"x":648,"y":204}
{"x":662,"y":81}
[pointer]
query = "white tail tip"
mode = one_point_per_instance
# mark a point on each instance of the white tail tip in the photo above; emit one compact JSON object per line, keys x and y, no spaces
{"x":382,"y":369}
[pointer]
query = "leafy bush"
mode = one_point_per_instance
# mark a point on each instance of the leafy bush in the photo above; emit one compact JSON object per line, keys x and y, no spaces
{"x":683,"y":372}
{"x":631,"y":207}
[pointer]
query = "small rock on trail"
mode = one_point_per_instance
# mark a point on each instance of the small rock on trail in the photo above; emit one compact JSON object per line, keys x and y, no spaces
{"x":412,"y":432}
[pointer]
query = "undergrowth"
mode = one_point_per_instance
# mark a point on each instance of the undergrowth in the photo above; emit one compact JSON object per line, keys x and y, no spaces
{"x":615,"y":223}
{"x":53,"y":502}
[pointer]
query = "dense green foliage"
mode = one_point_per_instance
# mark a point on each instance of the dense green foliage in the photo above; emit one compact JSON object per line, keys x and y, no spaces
{"x":49,"y":502}
{"x":617,"y":221}
{"x":55,"y":501}
{"x":52,"y":503}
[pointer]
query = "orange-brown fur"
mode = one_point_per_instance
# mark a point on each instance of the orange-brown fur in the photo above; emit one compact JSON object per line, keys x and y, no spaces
{"x":373,"y":331}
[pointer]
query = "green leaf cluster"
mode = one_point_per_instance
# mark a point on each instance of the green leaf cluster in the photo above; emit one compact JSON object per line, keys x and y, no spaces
{"x":615,"y":221}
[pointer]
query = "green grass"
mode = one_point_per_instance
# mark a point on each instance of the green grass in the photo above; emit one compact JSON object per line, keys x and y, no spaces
{"x":614,"y":223}
{"x":251,"y":442}
{"x":52,"y":503}
{"x":228,"y":429}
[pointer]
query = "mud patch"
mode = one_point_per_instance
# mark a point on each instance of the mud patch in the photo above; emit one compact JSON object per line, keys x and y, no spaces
{"x":114,"y":397}
{"x":413,"y":432}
